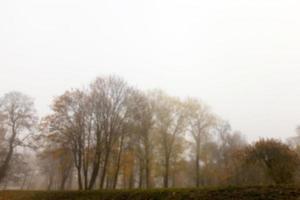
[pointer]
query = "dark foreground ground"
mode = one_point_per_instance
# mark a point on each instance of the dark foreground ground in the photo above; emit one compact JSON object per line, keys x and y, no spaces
{"x":229,"y":193}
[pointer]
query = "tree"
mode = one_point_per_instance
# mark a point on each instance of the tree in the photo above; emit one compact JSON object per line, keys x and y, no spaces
{"x":55,"y":151}
{"x":93,"y":125}
{"x":230,"y":143}
{"x":201,"y":121}
{"x":277,"y":159}
{"x":142,"y":121}
{"x":170,"y":125}
{"x":109,"y":97}
{"x":67,"y":127}
{"x":17,"y":120}
{"x":18,"y":173}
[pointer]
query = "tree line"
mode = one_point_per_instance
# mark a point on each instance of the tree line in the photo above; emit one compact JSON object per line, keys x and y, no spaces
{"x":111,"y":135}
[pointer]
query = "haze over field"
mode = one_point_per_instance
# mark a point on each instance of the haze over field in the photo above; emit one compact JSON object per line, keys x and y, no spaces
{"x":240,"y":57}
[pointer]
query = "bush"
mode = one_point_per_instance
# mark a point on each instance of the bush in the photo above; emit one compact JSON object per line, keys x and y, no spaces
{"x":229,"y":193}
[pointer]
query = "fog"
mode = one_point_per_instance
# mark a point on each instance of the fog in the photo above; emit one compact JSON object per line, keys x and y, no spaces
{"x":240,"y":57}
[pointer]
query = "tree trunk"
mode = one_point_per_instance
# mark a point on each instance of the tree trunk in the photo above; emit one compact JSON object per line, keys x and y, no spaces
{"x":50,"y":183}
{"x":5,"y":165}
{"x":197,"y":159}
{"x":131,"y":184}
{"x":140,"y":175}
{"x":95,"y":173}
{"x":115,"y":181}
{"x":63,"y":182}
{"x":85,"y":177}
{"x":96,"y":163}
{"x":24,"y":181}
{"x":80,"y":187}
{"x":166,"y":175}
{"x":147,"y":165}
{"x":103,"y":175}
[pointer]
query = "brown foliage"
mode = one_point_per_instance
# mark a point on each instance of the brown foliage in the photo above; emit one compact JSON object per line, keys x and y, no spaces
{"x":277,"y":159}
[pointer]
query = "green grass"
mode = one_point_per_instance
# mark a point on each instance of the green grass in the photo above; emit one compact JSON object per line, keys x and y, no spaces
{"x":226,"y":193}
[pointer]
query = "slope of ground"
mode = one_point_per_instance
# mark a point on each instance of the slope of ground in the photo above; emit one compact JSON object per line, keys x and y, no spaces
{"x":229,"y":193}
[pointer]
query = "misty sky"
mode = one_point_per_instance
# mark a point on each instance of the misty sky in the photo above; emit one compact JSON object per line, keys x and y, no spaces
{"x":240,"y":57}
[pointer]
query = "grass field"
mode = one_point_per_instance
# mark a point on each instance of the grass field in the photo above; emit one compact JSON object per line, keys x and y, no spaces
{"x":228,"y":193}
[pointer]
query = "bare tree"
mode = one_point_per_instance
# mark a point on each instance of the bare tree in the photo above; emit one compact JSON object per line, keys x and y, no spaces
{"x":109,"y":98}
{"x":92,"y":123}
{"x":201,"y":121}
{"x":67,"y":127}
{"x":170,"y":124}
{"x":17,"y":119}
{"x":142,"y":120}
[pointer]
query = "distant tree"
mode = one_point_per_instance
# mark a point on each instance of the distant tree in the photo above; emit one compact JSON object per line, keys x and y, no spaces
{"x":170,"y":125}
{"x":276,"y":158}
{"x":18,"y":172}
{"x":142,"y":121}
{"x":53,"y":150}
{"x":200,"y":122}
{"x":17,"y":119}
{"x":230,"y":144}
{"x":294,"y":142}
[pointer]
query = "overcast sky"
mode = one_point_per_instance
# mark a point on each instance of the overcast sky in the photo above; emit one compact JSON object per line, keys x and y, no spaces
{"x":240,"y":57}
